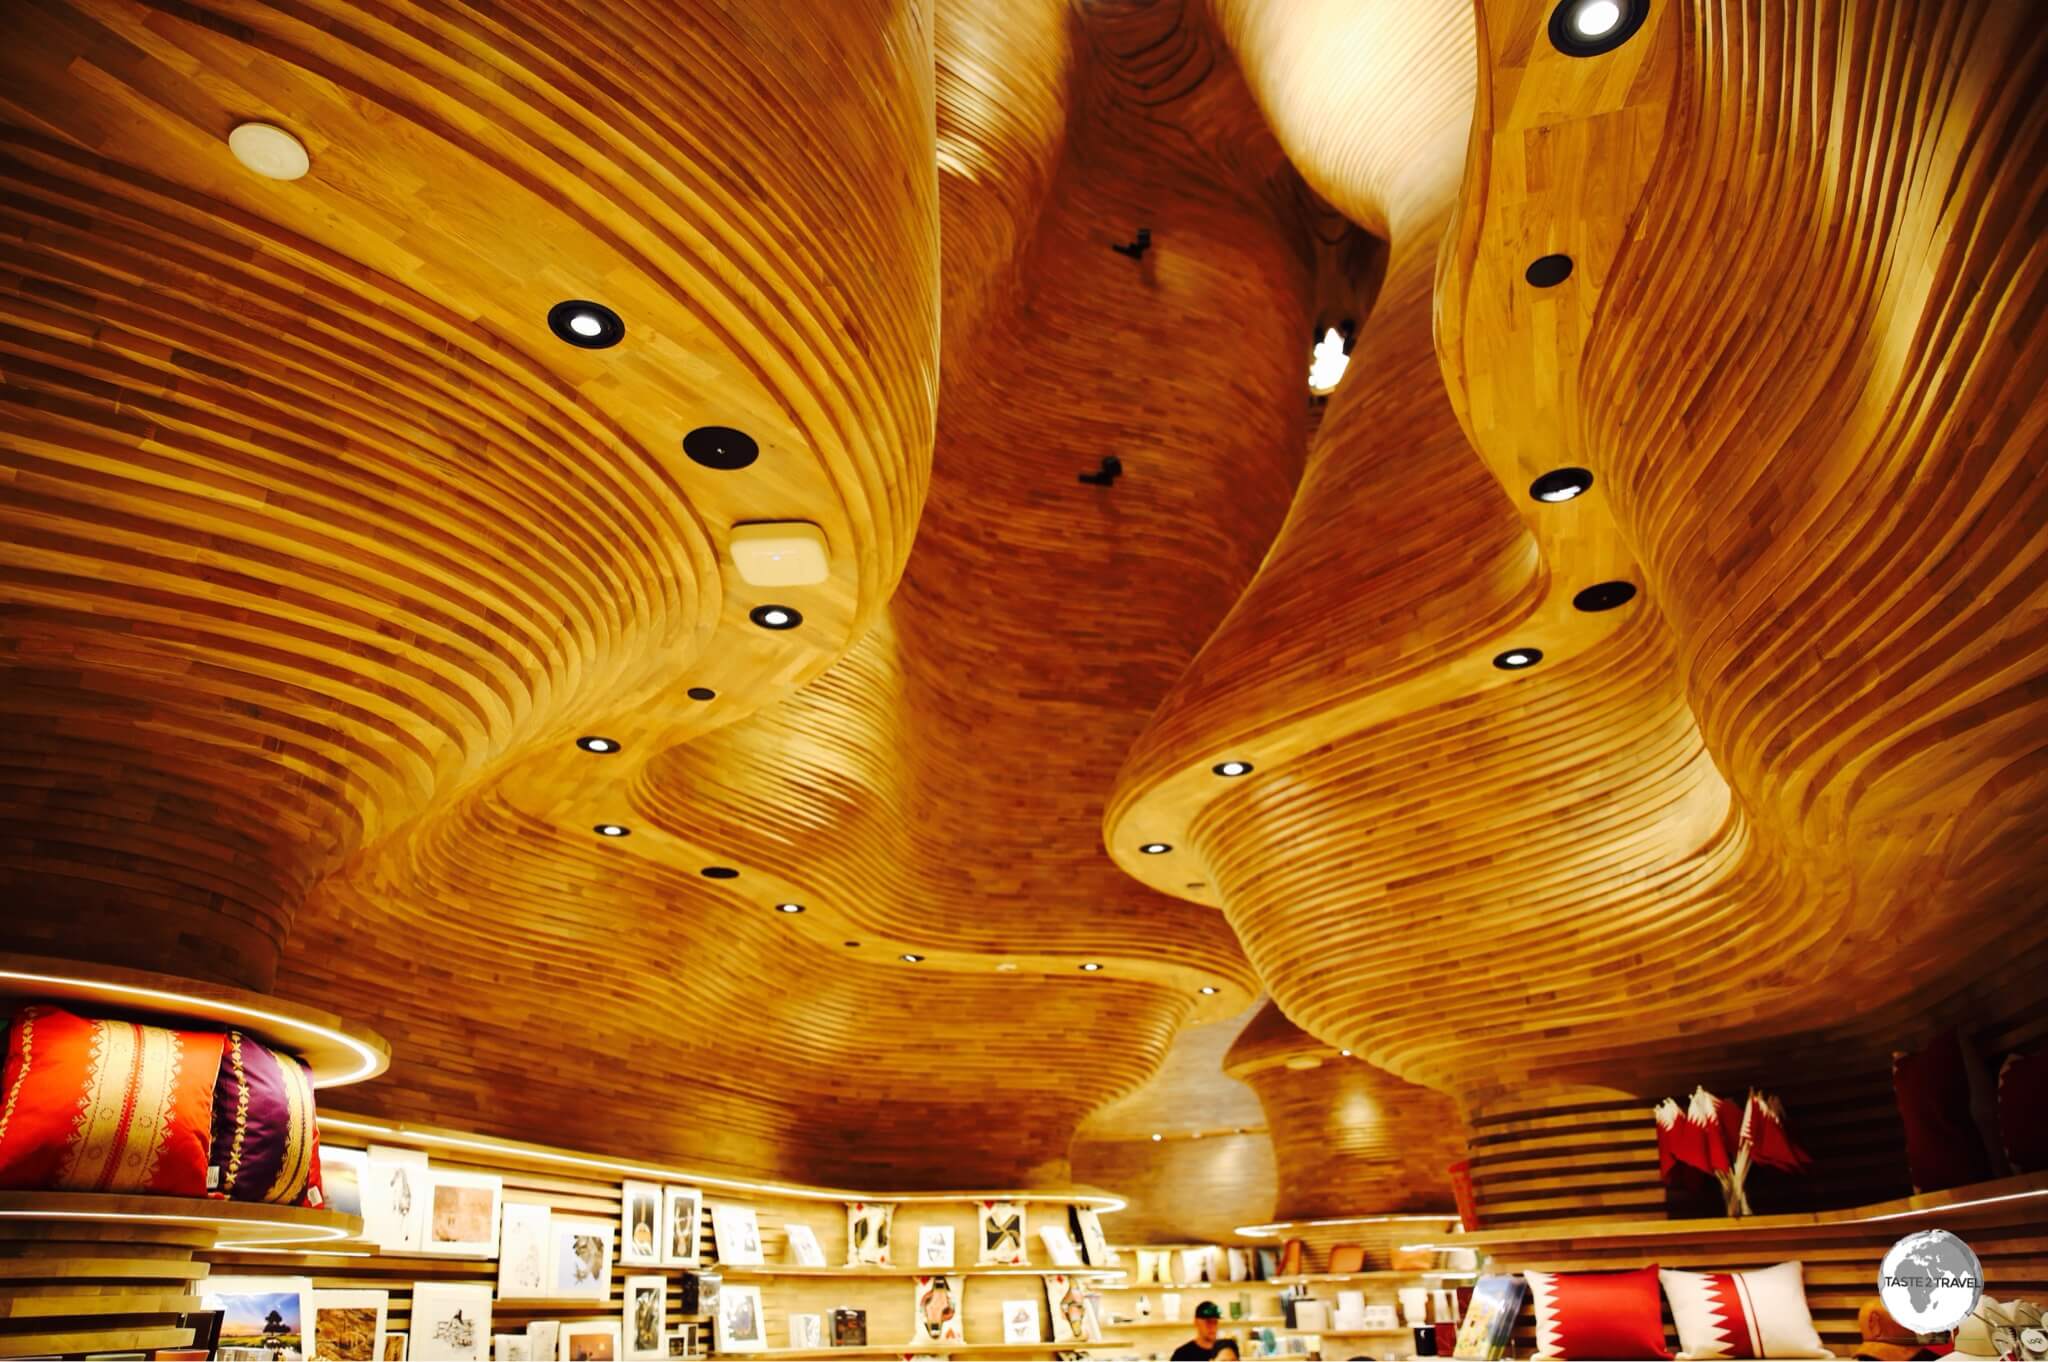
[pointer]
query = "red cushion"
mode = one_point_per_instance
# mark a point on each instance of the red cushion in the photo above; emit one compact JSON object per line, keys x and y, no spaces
{"x":1598,"y":1316}
{"x":2023,"y":1110}
{"x":105,"y":1106}
{"x":1943,"y":1148}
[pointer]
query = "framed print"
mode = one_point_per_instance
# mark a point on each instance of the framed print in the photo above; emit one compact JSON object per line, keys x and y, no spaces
{"x":451,"y":1322}
{"x":682,"y":1341}
{"x":589,"y":1340}
{"x":1002,"y":1233}
{"x":580,"y":1258}
{"x":640,"y":1224}
{"x":394,"y":1348}
{"x":803,"y":1246}
{"x":546,"y":1337}
{"x":462,"y":1214}
{"x":1087,"y":1223}
{"x":681,"y":1210}
{"x":936,"y":1311}
{"x":1020,"y":1322}
{"x":739,"y":1320}
{"x":511,"y":1348}
{"x":272,"y":1314}
{"x":645,"y":1322}
{"x":342,"y":1175}
{"x":935,"y":1246}
{"x":395,"y":1199}
{"x":867,"y":1233}
{"x":523,"y":1251}
{"x":737,"y":1234}
{"x":1068,"y":1308}
{"x":350,"y":1324}
{"x":1056,"y":1242}
{"x":806,"y":1331}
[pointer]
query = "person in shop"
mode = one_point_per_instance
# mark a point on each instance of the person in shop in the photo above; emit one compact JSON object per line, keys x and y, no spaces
{"x":1205,"y":1346}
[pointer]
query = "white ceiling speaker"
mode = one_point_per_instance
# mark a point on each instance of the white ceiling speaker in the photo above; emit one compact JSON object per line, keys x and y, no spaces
{"x":270,"y":151}
{"x":779,"y":553}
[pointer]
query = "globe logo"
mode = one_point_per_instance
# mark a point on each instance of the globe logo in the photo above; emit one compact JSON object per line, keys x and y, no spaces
{"x":1930,"y":1281}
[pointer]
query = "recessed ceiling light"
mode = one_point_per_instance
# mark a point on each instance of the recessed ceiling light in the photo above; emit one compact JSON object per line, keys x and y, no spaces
{"x":701,"y":693}
{"x":586,"y":325}
{"x":270,"y":151}
{"x":775,"y":616}
{"x":1604,"y":596}
{"x":1007,"y":967}
{"x":1548,"y":271}
{"x":599,"y":745}
{"x":910,"y":959}
{"x":1156,"y":848}
{"x":1090,"y":968}
{"x":719,"y":872}
{"x":1327,"y":363}
{"x":1587,"y":28}
{"x":1561,"y":484}
{"x":612,"y":830}
{"x":1157,"y":1136}
{"x":1345,"y":1053}
{"x":1514,"y":659}
{"x":1210,"y":990}
{"x":789,"y":907}
{"x":1232,"y":768}
{"x":721,"y":447}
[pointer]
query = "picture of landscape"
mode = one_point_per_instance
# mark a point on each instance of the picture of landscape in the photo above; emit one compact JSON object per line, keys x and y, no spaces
{"x":269,"y":1320}
{"x":348,"y":1334}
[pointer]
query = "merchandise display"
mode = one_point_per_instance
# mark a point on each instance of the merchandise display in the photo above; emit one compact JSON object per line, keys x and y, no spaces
{"x":1598,"y":1316}
{"x":681,"y":1211}
{"x":937,"y":1310}
{"x":1002,"y":1234}
{"x":462,"y":1211}
{"x":644,"y":1326}
{"x":737,"y":1234}
{"x":867,"y":1233}
{"x":1757,"y":1313}
{"x":739,"y":1324}
{"x":641,"y":1242}
{"x":849,"y":1327}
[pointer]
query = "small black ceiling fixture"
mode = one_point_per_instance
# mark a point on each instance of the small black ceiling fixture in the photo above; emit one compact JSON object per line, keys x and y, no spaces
{"x":721,"y":447}
{"x":1136,"y":250}
{"x":601,"y":746}
{"x":1604,"y":596}
{"x":789,"y":907}
{"x":1548,"y":271}
{"x":1156,"y":848}
{"x":1587,"y":28}
{"x":719,"y":872}
{"x":1561,"y":484}
{"x":1209,"y":990}
{"x":1515,"y":659}
{"x":701,"y":693}
{"x":1106,"y":475}
{"x":910,"y":958}
{"x":1232,"y":768}
{"x":586,"y":325}
{"x":775,"y":616}
{"x":1091,"y":968}
{"x":612,"y":830}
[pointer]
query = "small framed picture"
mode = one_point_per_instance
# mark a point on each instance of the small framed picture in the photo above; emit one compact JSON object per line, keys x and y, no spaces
{"x":394,"y":1348}
{"x":645,"y":1323}
{"x":640,"y":1225}
{"x":682,"y":1341}
{"x":590,"y":1340}
{"x":462,"y":1214}
{"x":804,"y":1249}
{"x":935,"y":1246}
{"x":738,"y":1235}
{"x":739,"y":1320}
{"x":682,"y":1209}
{"x":581,"y":1259}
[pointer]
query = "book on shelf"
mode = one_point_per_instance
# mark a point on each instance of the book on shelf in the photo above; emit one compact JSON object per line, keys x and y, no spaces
{"x":1489,"y":1325}
{"x":849,"y":1327}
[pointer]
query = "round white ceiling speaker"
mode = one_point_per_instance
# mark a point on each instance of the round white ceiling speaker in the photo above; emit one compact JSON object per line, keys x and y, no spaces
{"x":269,"y":151}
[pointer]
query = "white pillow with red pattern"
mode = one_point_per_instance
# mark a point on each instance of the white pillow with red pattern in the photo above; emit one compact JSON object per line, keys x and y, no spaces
{"x":1761,"y":1313}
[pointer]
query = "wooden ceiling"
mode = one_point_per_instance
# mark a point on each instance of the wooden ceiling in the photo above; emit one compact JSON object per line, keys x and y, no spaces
{"x":320,"y":552}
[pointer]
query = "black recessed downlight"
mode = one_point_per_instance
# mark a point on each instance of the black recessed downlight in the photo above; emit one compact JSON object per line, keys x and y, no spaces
{"x":1561,"y":484}
{"x":1091,"y":968}
{"x":1209,"y":990}
{"x":1232,"y":768}
{"x":775,"y":616}
{"x":1604,"y":596}
{"x":1548,"y":271}
{"x":719,"y":872}
{"x":789,"y":907}
{"x":721,"y":447}
{"x":612,"y":830}
{"x":910,"y":958}
{"x":602,"y":746}
{"x":702,"y":693}
{"x":1156,"y":848}
{"x":1514,"y":659}
{"x":1587,"y":28}
{"x":586,"y":325}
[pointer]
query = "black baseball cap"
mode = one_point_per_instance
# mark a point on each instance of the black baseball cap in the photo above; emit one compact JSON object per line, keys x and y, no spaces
{"x":1208,"y":1310}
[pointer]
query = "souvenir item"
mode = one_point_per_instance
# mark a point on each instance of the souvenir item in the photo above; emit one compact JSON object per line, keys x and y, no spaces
{"x":935,"y":1246}
{"x":580,"y":1258}
{"x":349,"y":1325}
{"x":640,"y":1237}
{"x":1020,"y":1322}
{"x":523,"y":1252}
{"x":273,"y":1314}
{"x":936,"y":1311}
{"x":739,"y":1320}
{"x":737,"y":1234}
{"x":589,"y":1340}
{"x":644,"y":1326}
{"x":451,"y":1322}
{"x":849,"y":1328}
{"x":867,"y":1233}
{"x":461,"y":1214}
{"x":1002,"y":1234}
{"x":681,"y":1209}
{"x":804,"y":1250}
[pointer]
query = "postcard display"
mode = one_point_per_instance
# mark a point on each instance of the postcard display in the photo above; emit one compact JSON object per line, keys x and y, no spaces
{"x":521,"y":1257}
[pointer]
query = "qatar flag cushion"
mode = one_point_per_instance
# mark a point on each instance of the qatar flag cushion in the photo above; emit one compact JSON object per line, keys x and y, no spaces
{"x":1598,"y":1316}
{"x":1760,"y":1313}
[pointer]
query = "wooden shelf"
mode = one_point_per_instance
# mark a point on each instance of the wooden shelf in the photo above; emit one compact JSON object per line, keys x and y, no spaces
{"x":1254,"y":1320}
{"x":234,"y":1224}
{"x":934,"y":1349}
{"x":791,"y":1270}
{"x":1307,"y":1277}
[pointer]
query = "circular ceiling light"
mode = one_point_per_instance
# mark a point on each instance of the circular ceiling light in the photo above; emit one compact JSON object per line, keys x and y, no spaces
{"x":270,"y":151}
{"x":599,"y":745}
{"x":1604,"y":596}
{"x":721,"y":447}
{"x":1548,"y":271}
{"x":1210,"y":990}
{"x":586,"y":325}
{"x":1514,"y":659}
{"x":1587,"y":28}
{"x":612,"y":830}
{"x":702,"y":693}
{"x":719,"y":872}
{"x":789,"y":907}
{"x":1156,"y":848}
{"x":1007,"y":967}
{"x":1232,"y":768}
{"x":1345,"y":1053}
{"x":1327,"y":362}
{"x":1157,"y":1136}
{"x":1090,"y":968}
{"x":1561,"y":484}
{"x":909,"y":959}
{"x":775,"y":616}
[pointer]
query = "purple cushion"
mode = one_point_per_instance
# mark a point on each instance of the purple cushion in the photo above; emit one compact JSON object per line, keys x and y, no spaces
{"x":265,"y":1146}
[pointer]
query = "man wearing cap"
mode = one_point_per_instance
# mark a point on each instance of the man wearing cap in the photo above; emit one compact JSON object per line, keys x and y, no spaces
{"x":1205,"y":1345}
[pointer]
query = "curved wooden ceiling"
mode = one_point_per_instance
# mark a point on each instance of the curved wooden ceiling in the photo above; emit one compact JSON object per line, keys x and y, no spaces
{"x":321,"y":551}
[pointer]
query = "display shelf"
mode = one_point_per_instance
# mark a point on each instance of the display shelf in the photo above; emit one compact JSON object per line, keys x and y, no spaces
{"x":336,"y":1051}
{"x":948,"y":1349}
{"x":1303,"y":1278}
{"x":1188,"y":1323}
{"x":730,"y":1271}
{"x":233,"y":1224}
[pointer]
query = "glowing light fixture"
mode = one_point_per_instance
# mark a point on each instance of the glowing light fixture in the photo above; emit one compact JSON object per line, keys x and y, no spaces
{"x":270,"y":151}
{"x":1156,"y":848}
{"x":1327,"y":364}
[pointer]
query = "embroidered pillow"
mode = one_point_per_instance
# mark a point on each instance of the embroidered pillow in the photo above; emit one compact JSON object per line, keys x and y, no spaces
{"x":265,"y":1144}
{"x":1761,"y":1313}
{"x":105,"y":1106}
{"x":1598,"y":1316}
